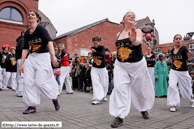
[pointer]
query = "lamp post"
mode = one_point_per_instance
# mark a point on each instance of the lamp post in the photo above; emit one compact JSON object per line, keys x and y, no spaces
{"x":191,"y":35}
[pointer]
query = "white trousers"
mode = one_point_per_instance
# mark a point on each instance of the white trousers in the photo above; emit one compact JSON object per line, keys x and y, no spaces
{"x":131,"y":82}
{"x":10,"y":77}
{"x":99,"y":78}
{"x":152,"y":76}
{"x":39,"y":79}
{"x":20,"y":79}
{"x":3,"y":76}
{"x":64,"y":78}
{"x":184,"y":83}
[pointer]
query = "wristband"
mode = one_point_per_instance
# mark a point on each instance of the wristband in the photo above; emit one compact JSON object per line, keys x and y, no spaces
{"x":52,"y":54}
{"x":133,"y":41}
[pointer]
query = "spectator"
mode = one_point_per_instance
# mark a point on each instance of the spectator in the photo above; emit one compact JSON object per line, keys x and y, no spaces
{"x":56,"y":69}
{"x":88,"y":71}
{"x":161,"y":76}
{"x":108,"y":67}
{"x":74,"y":79}
{"x":107,"y":56}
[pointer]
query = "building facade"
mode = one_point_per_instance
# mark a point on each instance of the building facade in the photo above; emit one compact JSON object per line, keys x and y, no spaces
{"x":107,"y":30}
{"x":13,"y":19}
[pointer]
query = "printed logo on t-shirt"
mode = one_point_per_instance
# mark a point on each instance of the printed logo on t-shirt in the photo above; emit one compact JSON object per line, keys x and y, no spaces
{"x":177,"y":57}
{"x":97,"y":61}
{"x":35,"y":47}
{"x":33,"y":44}
{"x":150,"y":59}
{"x":123,"y":53}
{"x":177,"y":64}
{"x":149,"y":64}
{"x":4,"y":56}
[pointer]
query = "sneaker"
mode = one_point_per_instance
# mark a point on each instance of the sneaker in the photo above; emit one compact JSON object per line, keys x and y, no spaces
{"x":95,"y":102}
{"x":145,"y":115}
{"x":56,"y":104}
{"x":173,"y":109}
{"x":4,"y":89}
{"x":192,"y":104}
{"x":105,"y":99}
{"x":117,"y":122}
{"x":30,"y":110}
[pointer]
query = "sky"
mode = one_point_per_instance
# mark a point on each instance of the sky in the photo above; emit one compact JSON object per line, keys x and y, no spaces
{"x":171,"y":16}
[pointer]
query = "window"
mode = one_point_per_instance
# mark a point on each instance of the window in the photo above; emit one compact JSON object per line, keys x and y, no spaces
{"x":11,"y":14}
{"x":157,"y":50}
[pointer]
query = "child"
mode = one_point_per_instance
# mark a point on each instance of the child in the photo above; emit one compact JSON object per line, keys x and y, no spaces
{"x":56,"y":69}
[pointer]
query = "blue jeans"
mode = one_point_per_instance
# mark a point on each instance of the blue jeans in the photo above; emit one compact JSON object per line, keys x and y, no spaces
{"x":57,"y":77}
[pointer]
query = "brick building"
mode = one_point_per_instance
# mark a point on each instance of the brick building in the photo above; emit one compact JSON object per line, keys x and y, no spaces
{"x":107,"y":30}
{"x":13,"y":19}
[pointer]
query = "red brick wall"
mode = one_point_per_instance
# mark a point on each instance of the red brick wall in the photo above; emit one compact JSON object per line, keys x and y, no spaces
{"x":10,"y":31}
{"x":106,"y":30}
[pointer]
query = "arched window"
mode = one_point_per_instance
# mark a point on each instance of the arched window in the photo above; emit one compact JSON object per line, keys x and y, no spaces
{"x":10,"y":13}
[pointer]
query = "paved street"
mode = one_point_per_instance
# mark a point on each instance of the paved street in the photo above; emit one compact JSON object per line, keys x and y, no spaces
{"x":77,"y":112}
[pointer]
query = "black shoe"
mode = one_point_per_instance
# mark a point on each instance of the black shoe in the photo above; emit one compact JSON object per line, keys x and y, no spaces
{"x":145,"y":115}
{"x":117,"y":122}
{"x":19,"y":96}
{"x":70,"y":93}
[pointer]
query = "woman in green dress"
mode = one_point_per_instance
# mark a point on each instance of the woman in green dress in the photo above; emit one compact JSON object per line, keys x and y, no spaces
{"x":161,"y":76}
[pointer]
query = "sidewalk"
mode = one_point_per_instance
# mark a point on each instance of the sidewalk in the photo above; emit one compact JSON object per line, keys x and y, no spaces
{"x":77,"y":113}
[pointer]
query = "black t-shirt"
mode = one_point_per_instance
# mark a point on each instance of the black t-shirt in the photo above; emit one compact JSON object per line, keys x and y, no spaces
{"x":19,"y":47}
{"x":179,"y":60}
{"x":127,"y":52}
{"x":38,"y":40}
{"x":150,"y":61}
{"x":98,"y":57}
{"x":3,"y":56}
{"x":11,"y":64}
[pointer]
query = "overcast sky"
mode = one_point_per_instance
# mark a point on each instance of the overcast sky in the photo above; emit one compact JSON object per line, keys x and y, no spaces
{"x":171,"y":16}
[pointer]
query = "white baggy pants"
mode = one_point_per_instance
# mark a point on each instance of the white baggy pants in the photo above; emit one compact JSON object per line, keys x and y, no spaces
{"x":20,"y":79}
{"x":99,"y":78}
{"x":184,"y":83}
{"x":3,"y":75}
{"x":131,"y":82}
{"x":64,"y":78}
{"x":10,"y":76}
{"x":152,"y":76}
{"x":39,"y":79}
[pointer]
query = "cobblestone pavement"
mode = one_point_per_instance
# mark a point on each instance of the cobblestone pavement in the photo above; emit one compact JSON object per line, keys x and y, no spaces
{"x":77,"y":113}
